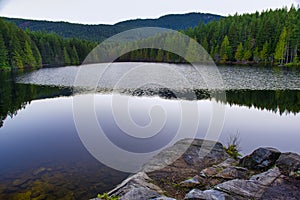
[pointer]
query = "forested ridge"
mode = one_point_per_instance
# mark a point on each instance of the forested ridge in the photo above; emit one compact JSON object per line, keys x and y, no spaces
{"x":100,"y":32}
{"x":268,"y":38}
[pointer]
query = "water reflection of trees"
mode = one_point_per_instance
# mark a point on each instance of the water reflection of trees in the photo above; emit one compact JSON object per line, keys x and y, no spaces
{"x":14,"y":97}
{"x":279,"y":101}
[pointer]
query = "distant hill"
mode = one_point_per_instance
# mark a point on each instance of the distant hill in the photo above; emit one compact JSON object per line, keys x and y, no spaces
{"x":173,"y":21}
{"x":102,"y":31}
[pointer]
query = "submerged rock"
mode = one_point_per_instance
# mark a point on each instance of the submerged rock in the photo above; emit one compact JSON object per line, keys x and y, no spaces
{"x":261,"y":159}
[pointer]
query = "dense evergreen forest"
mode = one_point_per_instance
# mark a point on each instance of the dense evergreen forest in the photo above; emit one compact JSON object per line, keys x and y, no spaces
{"x":24,"y":49}
{"x":100,"y":32}
{"x":271,"y":37}
{"x":267,"y":37}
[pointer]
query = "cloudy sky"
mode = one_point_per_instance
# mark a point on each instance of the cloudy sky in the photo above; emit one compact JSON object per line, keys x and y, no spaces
{"x":113,"y":11}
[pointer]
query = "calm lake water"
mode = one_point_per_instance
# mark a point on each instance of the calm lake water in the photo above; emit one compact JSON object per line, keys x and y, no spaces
{"x":41,"y":152}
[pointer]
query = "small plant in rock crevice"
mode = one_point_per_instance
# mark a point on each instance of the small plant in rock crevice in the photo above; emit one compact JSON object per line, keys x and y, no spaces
{"x":233,"y":146}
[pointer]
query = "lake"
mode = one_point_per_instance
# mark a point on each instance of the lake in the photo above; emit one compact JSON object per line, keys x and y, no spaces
{"x":44,"y":151}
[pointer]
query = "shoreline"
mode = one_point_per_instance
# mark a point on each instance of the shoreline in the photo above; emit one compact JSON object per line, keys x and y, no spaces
{"x":232,"y":64}
{"x":266,"y":173}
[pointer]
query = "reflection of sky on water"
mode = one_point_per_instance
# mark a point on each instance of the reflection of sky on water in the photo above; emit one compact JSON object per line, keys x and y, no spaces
{"x":45,"y":130}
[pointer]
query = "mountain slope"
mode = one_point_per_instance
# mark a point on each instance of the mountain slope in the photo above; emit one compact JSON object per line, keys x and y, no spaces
{"x":101,"y":31}
{"x":173,"y":21}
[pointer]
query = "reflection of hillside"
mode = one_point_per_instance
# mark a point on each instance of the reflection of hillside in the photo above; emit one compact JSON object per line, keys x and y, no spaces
{"x":15,"y":97}
{"x":280,"y":101}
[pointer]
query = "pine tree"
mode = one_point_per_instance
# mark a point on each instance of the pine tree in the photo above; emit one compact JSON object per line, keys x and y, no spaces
{"x":264,"y":55}
{"x":29,"y":59}
{"x":160,"y":56}
{"x":239,"y":52}
{"x":247,"y":55}
{"x":256,"y":55}
{"x":15,"y":52}
{"x":281,"y":47}
{"x":75,"y":59}
{"x":37,"y":55}
{"x":193,"y":52}
{"x":3,"y":54}
{"x":225,"y":51}
{"x":67,"y":59}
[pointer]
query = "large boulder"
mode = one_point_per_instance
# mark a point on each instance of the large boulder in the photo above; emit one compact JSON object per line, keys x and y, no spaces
{"x":261,"y":159}
{"x":289,"y":164}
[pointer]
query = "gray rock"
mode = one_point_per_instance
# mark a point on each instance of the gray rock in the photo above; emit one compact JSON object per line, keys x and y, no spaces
{"x":249,"y":189}
{"x":196,"y":194}
{"x":140,"y":193}
{"x":266,"y":178}
{"x":233,"y":172}
{"x":261,"y":159}
{"x":193,"y":182}
{"x":225,"y":170}
{"x":283,"y":188}
{"x":163,"y":198}
{"x":137,"y":184}
{"x":199,"y":155}
{"x":195,"y":153}
{"x":289,"y":164}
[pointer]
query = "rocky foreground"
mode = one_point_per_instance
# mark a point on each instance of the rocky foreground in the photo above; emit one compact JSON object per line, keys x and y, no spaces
{"x":265,"y":174}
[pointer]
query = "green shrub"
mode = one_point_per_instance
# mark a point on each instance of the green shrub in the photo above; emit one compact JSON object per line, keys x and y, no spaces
{"x":233,"y":146}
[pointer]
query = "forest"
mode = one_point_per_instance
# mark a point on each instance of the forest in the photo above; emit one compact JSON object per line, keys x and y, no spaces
{"x":271,"y":37}
{"x":25,"y":49}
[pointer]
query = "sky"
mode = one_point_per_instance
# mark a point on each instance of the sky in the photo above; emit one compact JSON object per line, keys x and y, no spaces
{"x":113,"y":11}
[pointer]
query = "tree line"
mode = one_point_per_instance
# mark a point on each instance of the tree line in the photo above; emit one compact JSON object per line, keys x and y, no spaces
{"x":270,"y":37}
{"x":24,"y":49}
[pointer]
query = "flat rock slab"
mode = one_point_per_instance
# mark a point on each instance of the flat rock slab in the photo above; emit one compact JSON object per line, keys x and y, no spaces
{"x":253,"y":188}
{"x":196,"y":194}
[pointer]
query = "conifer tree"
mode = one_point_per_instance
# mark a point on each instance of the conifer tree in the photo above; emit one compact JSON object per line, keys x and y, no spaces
{"x":281,"y":47}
